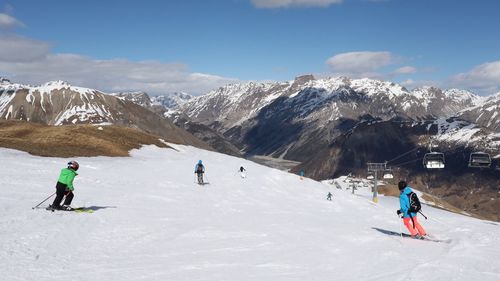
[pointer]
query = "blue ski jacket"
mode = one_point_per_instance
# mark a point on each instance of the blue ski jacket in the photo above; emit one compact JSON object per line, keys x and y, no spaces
{"x":201,"y":167}
{"x":404,"y":202}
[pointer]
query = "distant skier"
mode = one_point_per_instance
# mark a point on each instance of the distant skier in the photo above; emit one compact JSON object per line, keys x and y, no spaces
{"x":301,"y":174}
{"x":409,"y":218}
{"x":199,"y":169}
{"x":64,"y":187}
{"x":329,"y":196}
{"x":242,"y":172}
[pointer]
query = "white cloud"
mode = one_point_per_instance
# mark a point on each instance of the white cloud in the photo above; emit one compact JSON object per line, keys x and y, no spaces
{"x":405,"y":70}
{"x":357,"y":63}
{"x":30,"y":61}
{"x":7,"y":21}
{"x":410,"y":83}
{"x":112,"y":75}
{"x":483,"y":78}
{"x":16,"y":49}
{"x":269,"y":4}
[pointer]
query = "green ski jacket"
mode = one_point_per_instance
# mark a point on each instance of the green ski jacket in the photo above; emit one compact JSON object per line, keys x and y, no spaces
{"x":66,"y":177}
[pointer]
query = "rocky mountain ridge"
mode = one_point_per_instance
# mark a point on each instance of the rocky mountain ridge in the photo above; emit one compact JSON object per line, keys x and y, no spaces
{"x":59,"y":103}
{"x":341,"y":96}
{"x":292,"y":118}
{"x":486,"y":114}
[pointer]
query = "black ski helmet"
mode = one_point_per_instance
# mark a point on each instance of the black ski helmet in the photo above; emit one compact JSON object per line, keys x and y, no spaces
{"x":73,"y":165}
{"x":402,"y":185}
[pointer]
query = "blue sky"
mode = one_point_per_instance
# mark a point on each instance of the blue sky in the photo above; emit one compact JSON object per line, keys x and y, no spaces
{"x":196,"y":46}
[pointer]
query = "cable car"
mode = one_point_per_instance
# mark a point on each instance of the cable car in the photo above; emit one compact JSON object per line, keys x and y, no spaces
{"x":388,"y":174}
{"x":434,"y":160}
{"x":479,"y":160}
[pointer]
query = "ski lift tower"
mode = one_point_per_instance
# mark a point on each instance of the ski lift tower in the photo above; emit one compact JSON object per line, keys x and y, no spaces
{"x":375,"y":168}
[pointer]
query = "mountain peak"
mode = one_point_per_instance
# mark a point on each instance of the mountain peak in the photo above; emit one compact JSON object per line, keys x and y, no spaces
{"x":56,"y":84}
{"x":4,"y":81}
{"x":304,"y":78}
{"x":463,"y":95}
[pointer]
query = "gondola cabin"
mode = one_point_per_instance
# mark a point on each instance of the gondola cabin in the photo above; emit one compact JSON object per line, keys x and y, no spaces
{"x":388,"y":174}
{"x":434,"y":160}
{"x":479,"y":160}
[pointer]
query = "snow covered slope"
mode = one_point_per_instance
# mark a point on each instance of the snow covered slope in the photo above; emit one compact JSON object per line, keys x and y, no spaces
{"x":151,"y":222}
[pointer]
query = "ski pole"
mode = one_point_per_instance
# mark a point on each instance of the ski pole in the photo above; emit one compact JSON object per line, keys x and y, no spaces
{"x":43,"y":201}
{"x":400,"y":231}
{"x":422,"y":214}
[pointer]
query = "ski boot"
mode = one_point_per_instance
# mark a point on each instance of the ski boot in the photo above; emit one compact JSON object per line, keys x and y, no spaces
{"x":66,"y":208}
{"x":53,"y":208}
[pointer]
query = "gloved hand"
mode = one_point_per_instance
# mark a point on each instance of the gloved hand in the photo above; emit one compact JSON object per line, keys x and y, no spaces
{"x":398,"y":212}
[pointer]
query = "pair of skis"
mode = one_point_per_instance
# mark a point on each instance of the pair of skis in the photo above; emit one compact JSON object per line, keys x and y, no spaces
{"x":76,"y":210}
{"x":425,"y":238}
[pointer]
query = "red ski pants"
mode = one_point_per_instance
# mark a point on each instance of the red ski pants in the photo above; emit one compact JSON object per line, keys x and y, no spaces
{"x":414,"y":230}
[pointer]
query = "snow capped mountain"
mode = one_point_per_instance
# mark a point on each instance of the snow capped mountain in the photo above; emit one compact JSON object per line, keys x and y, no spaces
{"x":171,"y":100}
{"x":486,"y":114}
{"x":140,"y":98}
{"x":286,"y":116}
{"x":372,"y":87}
{"x":55,"y":103}
{"x":465,"y":96}
{"x":466,"y":134}
{"x":336,"y":97}
{"x":58,"y":103}
{"x":438,"y":103}
{"x":233,"y":103}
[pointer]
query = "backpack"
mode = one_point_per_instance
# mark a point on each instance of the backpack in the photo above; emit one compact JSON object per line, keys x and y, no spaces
{"x":199,"y":168}
{"x":415,"y":205}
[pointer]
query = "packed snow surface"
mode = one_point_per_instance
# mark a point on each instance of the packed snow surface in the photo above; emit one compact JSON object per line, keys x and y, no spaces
{"x":152,"y":222}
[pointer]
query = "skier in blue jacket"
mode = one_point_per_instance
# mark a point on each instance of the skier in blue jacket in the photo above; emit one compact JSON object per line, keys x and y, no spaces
{"x":199,"y":169}
{"x":409,"y":218}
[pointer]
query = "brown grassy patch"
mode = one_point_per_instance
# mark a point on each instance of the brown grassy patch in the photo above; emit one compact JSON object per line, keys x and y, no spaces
{"x":440,"y":203}
{"x":73,"y":140}
{"x":389,"y":190}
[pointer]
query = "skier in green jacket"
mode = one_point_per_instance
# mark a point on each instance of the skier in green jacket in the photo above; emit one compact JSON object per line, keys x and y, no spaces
{"x":64,"y":187}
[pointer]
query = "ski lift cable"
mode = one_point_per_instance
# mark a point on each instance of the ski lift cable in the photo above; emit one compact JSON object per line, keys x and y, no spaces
{"x":402,"y":164}
{"x":442,"y":151}
{"x":403,"y":154}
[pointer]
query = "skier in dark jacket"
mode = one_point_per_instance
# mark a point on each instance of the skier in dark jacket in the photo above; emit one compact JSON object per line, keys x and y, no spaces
{"x":329,"y":196}
{"x":64,"y":187}
{"x":242,"y":170}
{"x":199,"y":169}
{"x":409,"y":218}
